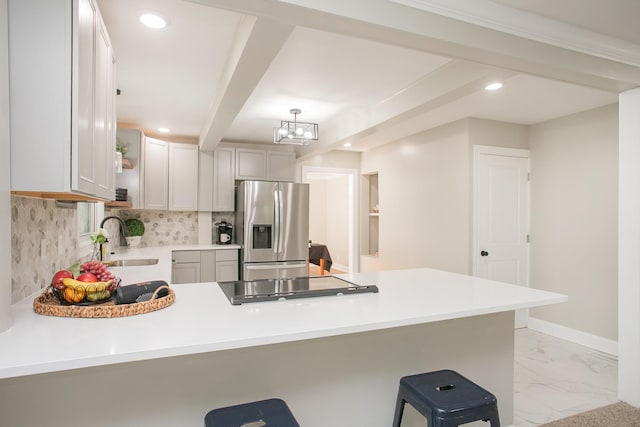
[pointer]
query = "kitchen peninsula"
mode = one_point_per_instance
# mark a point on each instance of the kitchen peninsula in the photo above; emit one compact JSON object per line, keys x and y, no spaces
{"x":336,"y":360}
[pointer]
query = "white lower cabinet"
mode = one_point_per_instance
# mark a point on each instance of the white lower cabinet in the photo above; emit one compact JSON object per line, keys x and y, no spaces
{"x":214,"y":265}
{"x":208,"y":266}
{"x":226,"y":265}
{"x":185,"y":267}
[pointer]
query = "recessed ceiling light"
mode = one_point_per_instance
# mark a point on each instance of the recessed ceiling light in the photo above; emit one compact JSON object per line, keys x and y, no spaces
{"x":493,"y":86}
{"x":164,"y":130}
{"x":153,"y":20}
{"x":347,"y":144}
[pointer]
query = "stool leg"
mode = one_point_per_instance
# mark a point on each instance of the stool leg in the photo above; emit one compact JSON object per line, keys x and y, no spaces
{"x":397,"y":416}
{"x":495,"y":420}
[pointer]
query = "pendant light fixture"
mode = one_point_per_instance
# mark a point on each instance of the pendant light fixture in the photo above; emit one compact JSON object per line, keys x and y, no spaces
{"x":295,"y":132}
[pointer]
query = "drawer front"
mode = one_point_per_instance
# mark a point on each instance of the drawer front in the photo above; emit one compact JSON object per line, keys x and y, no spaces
{"x":227,"y":255}
{"x":185,"y":256}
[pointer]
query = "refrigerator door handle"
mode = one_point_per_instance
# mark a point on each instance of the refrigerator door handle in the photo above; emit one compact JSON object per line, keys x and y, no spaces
{"x":277,"y":196}
{"x":278,"y":266}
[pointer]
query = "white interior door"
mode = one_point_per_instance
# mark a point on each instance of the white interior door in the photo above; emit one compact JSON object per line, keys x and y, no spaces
{"x":502,"y":218}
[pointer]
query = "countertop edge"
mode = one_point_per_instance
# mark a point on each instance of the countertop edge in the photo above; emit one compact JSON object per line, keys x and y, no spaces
{"x":88,"y":362}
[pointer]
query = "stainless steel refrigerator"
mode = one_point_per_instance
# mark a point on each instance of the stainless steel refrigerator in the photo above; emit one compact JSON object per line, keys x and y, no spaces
{"x":272,"y":225}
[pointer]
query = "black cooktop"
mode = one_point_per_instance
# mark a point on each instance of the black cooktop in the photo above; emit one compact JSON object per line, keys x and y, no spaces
{"x":239,"y":292}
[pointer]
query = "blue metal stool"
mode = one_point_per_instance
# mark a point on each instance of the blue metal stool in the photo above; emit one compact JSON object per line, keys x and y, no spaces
{"x":446,"y":399}
{"x":268,"y":413}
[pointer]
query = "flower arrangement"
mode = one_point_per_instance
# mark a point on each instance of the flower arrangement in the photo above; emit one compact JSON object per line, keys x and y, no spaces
{"x":99,"y":238}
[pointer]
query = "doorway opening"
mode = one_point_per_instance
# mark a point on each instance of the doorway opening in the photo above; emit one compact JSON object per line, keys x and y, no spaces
{"x":333,"y":214}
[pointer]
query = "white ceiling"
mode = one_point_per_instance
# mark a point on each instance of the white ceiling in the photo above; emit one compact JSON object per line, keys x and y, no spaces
{"x":357,"y":89}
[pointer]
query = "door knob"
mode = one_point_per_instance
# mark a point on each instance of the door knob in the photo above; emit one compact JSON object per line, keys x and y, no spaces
{"x":484,"y":253}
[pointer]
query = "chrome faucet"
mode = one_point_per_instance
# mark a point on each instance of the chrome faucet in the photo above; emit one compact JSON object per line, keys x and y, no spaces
{"x":123,"y":226}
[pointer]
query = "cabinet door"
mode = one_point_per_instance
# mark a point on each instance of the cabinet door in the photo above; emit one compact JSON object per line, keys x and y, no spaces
{"x":183,"y":177}
{"x":156,"y":174}
{"x":226,"y":265}
{"x":86,"y":154}
{"x":226,"y":271}
{"x":223,"y":180}
{"x":185,"y":266}
{"x":251,"y":164}
{"x":103,"y":135}
{"x":281,"y":165}
{"x":188,"y":272}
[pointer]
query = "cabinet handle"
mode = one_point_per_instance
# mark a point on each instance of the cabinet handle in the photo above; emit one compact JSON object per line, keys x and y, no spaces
{"x":484,"y":253}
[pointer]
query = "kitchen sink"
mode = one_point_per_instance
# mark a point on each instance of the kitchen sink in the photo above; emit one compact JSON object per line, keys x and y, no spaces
{"x":133,"y":262}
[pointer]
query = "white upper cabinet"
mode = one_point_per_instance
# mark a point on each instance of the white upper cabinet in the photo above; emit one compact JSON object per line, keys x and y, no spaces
{"x":156,"y":174}
{"x":216,"y":191}
{"x":62,"y":100}
{"x":251,"y":164}
{"x":281,"y":165}
{"x":224,"y":179}
{"x":183,"y":177}
{"x":265,"y":165}
{"x":170,"y":175}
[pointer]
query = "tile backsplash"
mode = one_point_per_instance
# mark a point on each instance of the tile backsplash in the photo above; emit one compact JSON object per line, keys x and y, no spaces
{"x":34,"y":221}
{"x":162,"y":228}
{"x":40,"y":227}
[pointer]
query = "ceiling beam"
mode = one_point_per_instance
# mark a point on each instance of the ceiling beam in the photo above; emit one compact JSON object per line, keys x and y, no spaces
{"x":416,"y":28}
{"x":257,"y":43}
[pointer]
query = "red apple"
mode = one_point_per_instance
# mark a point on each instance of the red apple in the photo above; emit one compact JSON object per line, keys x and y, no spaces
{"x":87,"y":277}
{"x":57,"y":279}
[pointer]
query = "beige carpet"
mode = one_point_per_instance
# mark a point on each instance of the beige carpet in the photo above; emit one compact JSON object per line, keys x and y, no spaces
{"x":616,"y":415}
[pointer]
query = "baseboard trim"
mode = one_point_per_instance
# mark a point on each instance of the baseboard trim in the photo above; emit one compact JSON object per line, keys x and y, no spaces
{"x":340,"y":267}
{"x":575,"y":336}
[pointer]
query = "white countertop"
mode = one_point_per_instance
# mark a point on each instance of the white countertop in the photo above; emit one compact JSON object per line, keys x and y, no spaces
{"x":203,"y":320}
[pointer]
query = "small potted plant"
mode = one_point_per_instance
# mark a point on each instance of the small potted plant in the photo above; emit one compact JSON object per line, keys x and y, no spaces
{"x":121,"y":150}
{"x":136,"y":230}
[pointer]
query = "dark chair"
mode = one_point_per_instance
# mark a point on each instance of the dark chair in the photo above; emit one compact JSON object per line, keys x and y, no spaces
{"x":267,"y":413}
{"x":446,"y":399}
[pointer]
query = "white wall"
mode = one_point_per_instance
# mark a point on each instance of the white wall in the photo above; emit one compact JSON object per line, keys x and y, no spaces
{"x":497,"y":134}
{"x":332,"y":159}
{"x":574,"y":183}
{"x":5,"y":198}
{"x":424,"y":197}
{"x":337,"y":220}
{"x":318,"y":211}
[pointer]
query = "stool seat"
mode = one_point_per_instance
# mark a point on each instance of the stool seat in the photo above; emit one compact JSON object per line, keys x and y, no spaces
{"x":268,"y":413}
{"x":446,"y":399}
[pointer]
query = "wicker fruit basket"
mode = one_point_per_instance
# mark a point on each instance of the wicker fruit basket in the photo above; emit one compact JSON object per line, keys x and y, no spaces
{"x":48,"y":304}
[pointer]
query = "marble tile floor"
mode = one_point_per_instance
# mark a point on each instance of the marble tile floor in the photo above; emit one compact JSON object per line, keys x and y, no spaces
{"x":555,"y":378}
